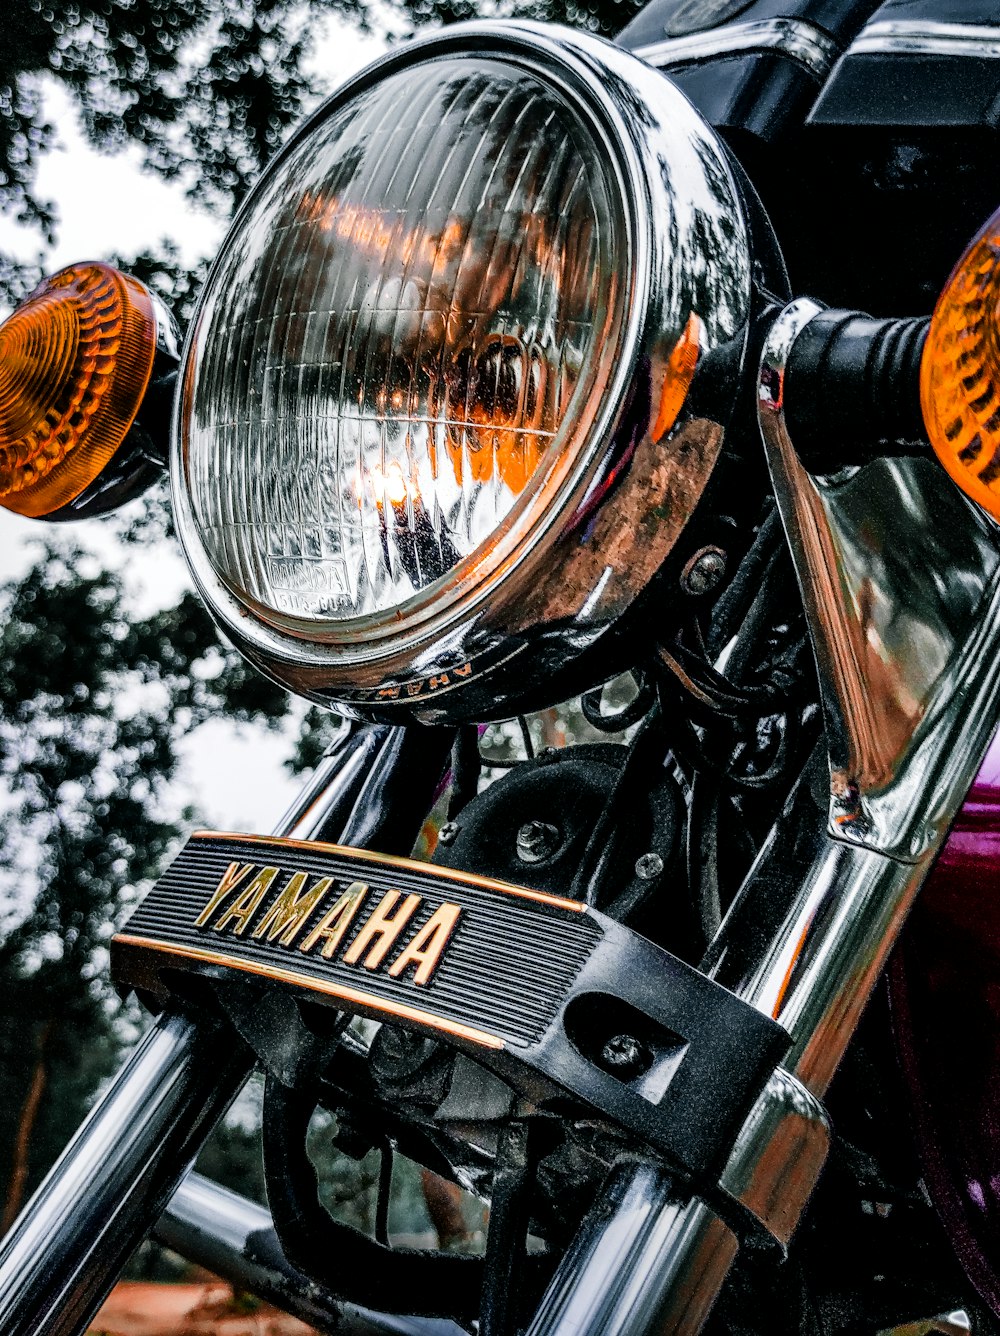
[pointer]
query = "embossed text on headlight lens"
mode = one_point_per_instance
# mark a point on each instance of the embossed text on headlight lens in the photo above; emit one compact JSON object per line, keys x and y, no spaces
{"x":396,"y":347}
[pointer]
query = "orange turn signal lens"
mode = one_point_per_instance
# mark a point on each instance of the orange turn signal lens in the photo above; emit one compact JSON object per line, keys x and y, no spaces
{"x":960,"y":372}
{"x":75,"y":361}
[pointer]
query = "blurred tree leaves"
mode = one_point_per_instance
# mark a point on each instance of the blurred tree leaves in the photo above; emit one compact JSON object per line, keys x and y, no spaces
{"x":94,"y":703}
{"x":207,"y":89}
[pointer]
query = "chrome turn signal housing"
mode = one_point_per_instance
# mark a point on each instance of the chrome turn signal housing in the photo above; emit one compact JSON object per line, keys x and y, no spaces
{"x":461,"y":374}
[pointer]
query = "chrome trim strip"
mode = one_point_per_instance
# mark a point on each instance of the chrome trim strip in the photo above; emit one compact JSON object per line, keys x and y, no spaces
{"x":799,"y":41}
{"x":924,"y":37}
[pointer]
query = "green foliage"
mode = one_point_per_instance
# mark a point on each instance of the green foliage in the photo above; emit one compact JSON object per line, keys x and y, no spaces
{"x":207,"y":89}
{"x":93,"y":705}
{"x":601,"y":16}
{"x":163,"y":271}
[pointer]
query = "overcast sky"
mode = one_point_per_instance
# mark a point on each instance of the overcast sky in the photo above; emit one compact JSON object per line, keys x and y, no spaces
{"x":108,"y":204}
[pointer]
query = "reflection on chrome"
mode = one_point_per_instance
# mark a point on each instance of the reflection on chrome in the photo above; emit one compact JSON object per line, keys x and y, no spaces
{"x":900,"y":575}
{"x":800,"y":41}
{"x":927,"y":37}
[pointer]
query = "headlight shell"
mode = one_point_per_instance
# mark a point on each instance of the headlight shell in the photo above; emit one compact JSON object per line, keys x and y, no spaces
{"x":435,"y":436}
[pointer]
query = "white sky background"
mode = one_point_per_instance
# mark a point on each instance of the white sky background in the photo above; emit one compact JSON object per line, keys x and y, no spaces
{"x":108,"y":204}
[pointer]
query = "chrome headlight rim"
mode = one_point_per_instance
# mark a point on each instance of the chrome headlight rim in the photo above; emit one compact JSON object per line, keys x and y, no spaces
{"x":384,"y":645}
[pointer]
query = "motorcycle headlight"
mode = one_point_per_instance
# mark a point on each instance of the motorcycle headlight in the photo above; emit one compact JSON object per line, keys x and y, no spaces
{"x":435,"y":402}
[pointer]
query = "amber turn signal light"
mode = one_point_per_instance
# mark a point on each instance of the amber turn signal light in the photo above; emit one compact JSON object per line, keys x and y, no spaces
{"x":960,"y":372}
{"x":75,"y":361}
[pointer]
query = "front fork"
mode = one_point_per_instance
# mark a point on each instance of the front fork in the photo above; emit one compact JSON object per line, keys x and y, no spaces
{"x":649,"y":1255}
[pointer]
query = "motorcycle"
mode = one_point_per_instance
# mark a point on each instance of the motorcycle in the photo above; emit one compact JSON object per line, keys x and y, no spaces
{"x":499,"y":390}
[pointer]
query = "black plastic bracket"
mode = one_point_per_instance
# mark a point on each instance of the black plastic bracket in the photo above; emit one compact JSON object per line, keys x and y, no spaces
{"x":560,"y":1001}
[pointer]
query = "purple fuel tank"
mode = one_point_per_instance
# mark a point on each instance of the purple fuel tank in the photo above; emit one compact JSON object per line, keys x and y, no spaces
{"x":944,"y":985}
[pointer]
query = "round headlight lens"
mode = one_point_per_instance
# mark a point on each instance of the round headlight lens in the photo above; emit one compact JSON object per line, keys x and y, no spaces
{"x":397,"y":345}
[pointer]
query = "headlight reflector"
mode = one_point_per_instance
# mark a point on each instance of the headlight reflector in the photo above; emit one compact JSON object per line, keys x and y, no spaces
{"x":396,"y":352}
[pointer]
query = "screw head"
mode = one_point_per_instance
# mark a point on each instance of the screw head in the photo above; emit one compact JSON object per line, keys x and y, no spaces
{"x":703,"y":571}
{"x":536,"y":840}
{"x":625,"y":1055}
{"x":648,"y":867}
{"x":448,"y":833}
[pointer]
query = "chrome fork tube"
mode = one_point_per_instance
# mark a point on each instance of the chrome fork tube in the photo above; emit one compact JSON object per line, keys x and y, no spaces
{"x":613,"y":1278}
{"x":69,"y":1244}
{"x":73,"y":1238}
{"x":814,"y":971}
{"x":320,"y":811}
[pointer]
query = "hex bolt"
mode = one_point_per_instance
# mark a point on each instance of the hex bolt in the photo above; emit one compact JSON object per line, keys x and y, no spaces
{"x":399,"y":1054}
{"x":624,"y":1055}
{"x":536,"y":840}
{"x":703,"y":571}
{"x":397,"y":1044}
{"x":648,"y":867}
{"x":448,"y":833}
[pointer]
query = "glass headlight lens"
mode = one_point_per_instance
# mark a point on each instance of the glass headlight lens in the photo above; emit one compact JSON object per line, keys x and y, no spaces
{"x":398,"y":343}
{"x":459,"y":379}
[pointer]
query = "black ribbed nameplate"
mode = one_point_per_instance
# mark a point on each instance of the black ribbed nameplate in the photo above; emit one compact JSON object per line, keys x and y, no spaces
{"x":534,"y":985}
{"x":478,"y":959}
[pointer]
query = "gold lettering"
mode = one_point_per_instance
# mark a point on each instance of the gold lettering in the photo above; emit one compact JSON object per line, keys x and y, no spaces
{"x":389,"y":693}
{"x":414,"y":688}
{"x":286,"y":916}
{"x":441,"y":681}
{"x":246,"y":903}
{"x":231,"y":878}
{"x":336,"y":920}
{"x":383,"y":927}
{"x":465,"y":670}
{"x":428,"y":946}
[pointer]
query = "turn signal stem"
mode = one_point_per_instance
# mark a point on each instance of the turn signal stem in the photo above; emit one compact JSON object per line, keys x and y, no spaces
{"x":852,"y":390}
